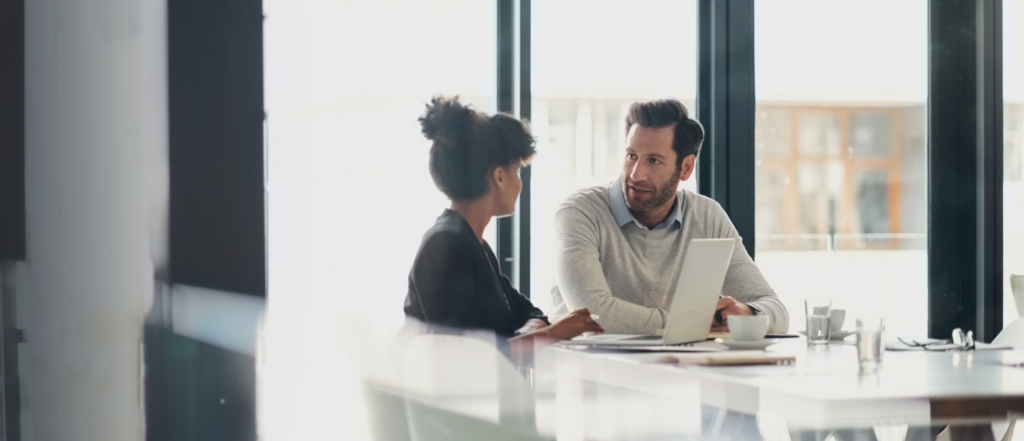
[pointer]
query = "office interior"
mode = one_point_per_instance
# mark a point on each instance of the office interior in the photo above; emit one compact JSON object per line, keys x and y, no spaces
{"x":209,"y":210}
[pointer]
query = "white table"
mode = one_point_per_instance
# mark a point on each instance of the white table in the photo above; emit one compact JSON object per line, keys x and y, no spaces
{"x":822,"y":390}
{"x":576,"y":394}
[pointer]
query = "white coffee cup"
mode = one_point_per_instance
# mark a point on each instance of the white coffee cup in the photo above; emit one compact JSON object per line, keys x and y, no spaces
{"x":748,"y":327}
{"x":838,"y":317}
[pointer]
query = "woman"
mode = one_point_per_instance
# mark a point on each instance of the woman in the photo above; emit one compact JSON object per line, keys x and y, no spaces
{"x":455,"y":281}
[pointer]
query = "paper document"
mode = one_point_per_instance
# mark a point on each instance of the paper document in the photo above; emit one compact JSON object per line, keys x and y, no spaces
{"x":735,"y":358}
{"x":704,"y":346}
{"x":725,"y":335}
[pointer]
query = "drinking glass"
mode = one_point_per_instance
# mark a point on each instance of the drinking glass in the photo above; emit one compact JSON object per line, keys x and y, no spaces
{"x":819,"y":321}
{"x":870,"y":344}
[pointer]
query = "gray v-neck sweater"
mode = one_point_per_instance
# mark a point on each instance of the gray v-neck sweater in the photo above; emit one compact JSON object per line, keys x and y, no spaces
{"x":627,"y":274}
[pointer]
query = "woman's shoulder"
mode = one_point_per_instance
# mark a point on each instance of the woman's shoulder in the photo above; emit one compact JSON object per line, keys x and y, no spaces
{"x":450,"y":232}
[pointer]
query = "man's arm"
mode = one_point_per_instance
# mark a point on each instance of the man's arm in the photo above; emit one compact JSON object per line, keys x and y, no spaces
{"x":744,"y":281}
{"x":582,"y":283}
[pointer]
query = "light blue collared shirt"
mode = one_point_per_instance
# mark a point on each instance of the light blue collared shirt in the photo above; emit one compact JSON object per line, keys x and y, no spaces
{"x":623,"y":216}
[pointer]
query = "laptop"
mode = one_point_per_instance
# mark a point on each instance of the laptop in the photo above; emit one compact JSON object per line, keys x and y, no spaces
{"x":693,"y":304}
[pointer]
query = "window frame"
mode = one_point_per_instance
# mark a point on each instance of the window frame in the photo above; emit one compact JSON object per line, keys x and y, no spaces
{"x":965,"y":168}
{"x":965,"y":270}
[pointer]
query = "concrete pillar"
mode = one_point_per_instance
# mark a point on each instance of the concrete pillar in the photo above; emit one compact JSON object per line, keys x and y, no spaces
{"x":96,"y":200}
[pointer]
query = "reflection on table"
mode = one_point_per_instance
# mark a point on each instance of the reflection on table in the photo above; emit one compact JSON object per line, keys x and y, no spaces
{"x":457,"y":387}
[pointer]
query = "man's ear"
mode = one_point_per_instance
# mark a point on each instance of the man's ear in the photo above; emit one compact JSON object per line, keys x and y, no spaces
{"x":689,"y":164}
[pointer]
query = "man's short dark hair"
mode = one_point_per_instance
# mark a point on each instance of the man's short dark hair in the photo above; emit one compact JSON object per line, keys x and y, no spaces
{"x":687,"y":135}
{"x":467,"y":145}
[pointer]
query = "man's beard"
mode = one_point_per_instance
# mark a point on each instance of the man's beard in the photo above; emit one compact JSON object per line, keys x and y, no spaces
{"x":662,"y":195}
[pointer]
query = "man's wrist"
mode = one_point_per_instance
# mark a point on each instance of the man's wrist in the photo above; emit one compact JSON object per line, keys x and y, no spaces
{"x":757,"y":311}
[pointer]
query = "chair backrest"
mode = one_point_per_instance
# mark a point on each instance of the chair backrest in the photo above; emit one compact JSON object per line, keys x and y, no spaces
{"x":452,"y":366}
{"x":1017,"y":287}
{"x":462,"y":368}
{"x":1012,"y":335}
{"x":387,"y":418}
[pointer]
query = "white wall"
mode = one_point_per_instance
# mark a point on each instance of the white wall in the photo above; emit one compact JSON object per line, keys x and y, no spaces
{"x":96,"y":167}
{"x":1013,"y":58}
{"x":841,"y":51}
{"x":614,"y":49}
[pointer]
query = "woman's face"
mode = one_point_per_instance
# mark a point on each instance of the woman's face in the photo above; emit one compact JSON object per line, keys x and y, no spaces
{"x":506,"y":198}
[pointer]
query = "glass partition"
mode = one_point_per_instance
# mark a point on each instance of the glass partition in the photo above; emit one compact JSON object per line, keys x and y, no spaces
{"x":840,"y":156}
{"x":591,"y":60}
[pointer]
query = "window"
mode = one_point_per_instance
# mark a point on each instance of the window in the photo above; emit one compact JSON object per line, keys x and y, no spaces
{"x":1013,"y":154}
{"x":840,"y":156}
{"x":585,"y":76}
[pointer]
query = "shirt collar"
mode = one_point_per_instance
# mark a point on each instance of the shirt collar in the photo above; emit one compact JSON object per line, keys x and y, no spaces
{"x":623,"y":216}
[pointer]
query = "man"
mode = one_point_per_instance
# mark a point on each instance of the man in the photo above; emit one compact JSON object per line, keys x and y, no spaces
{"x":621,"y":246}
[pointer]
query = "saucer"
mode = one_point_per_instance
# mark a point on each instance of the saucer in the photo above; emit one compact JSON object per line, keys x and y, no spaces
{"x":836,"y":336}
{"x":748,"y":345}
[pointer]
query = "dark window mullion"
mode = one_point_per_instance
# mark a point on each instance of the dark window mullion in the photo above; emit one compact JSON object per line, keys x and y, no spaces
{"x":725,"y":106}
{"x":525,"y":112}
{"x":12,"y":130}
{"x":505,"y":248}
{"x":965,"y":168}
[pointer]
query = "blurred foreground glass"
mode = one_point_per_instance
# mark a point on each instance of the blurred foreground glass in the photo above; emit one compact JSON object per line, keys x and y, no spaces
{"x":819,"y":321}
{"x":840,"y":158}
{"x":586,"y":73}
{"x":870,"y":344}
{"x":348,"y":79}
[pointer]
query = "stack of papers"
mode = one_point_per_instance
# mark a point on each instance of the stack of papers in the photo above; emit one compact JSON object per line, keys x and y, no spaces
{"x":736,"y":358}
{"x":704,"y":346}
{"x":707,"y":346}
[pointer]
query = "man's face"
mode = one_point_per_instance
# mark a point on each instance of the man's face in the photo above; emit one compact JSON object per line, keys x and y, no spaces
{"x":650,"y":176}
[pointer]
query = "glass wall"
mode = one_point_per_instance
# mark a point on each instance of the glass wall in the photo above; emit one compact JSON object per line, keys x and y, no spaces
{"x":840,"y":156}
{"x":344,"y":139}
{"x":349,"y":195}
{"x":591,"y":59}
{"x":1013,"y":166}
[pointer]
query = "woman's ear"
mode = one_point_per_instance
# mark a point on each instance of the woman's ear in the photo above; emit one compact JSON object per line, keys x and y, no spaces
{"x":498,"y":178}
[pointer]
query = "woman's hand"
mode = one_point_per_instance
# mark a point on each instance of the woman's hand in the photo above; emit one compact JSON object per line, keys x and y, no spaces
{"x":572,"y":325}
{"x":532,"y":325}
{"x":577,"y":322}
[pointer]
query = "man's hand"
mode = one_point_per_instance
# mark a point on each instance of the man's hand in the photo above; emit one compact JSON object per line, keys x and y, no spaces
{"x":728,"y":306}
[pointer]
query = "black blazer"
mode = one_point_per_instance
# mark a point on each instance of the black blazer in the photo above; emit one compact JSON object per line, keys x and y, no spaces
{"x":455,"y":282}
